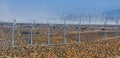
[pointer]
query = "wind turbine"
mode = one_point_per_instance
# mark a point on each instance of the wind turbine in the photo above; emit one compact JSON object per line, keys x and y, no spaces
{"x":13,"y":31}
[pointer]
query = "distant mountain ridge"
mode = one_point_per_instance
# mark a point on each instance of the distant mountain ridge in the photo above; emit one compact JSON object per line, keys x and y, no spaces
{"x":112,"y":12}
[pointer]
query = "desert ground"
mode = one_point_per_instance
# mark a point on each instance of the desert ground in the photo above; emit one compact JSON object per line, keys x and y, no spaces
{"x":93,"y":44}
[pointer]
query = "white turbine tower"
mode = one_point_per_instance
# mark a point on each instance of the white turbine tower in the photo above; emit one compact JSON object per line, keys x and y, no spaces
{"x":117,"y":26}
{"x":64,"y":29}
{"x":105,"y":25}
{"x":13,"y":31}
{"x":31,"y":32}
{"x":48,"y":33}
{"x":79,"y":27}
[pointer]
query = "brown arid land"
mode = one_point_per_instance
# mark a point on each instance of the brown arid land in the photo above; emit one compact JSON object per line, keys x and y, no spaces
{"x":92,"y":45}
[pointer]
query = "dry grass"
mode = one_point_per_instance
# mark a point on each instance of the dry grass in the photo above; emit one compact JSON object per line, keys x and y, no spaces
{"x":91,"y":49}
{"x":92,"y":44}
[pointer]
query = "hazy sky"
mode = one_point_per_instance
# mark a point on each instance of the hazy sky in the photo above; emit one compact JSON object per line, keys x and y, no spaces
{"x":25,"y":9}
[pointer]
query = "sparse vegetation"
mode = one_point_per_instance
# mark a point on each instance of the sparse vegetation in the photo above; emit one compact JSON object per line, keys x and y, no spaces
{"x":92,"y":44}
